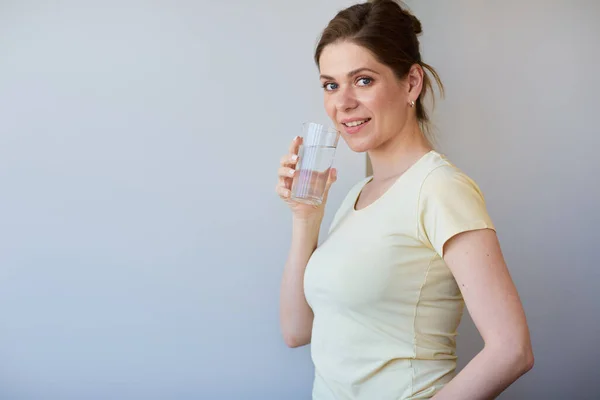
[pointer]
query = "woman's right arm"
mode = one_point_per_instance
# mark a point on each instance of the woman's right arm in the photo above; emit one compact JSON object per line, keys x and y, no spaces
{"x":295,"y":314}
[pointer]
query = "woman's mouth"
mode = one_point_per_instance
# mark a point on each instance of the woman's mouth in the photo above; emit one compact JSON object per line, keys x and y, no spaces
{"x":354,"y":126}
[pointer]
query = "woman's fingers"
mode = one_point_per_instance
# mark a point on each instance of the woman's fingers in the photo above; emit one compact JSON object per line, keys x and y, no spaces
{"x":286,"y":175}
{"x":330,"y":179}
{"x":295,"y":145}
{"x":289,"y":160}
{"x":283,"y":192}
{"x":286,"y":172}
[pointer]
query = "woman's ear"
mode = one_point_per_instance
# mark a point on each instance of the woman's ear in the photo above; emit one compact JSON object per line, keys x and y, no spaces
{"x":415,"y":81}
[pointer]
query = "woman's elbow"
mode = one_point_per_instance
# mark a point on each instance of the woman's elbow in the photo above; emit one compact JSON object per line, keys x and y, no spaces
{"x":527,"y":360}
{"x":520,"y":357}
{"x":293,"y":340}
{"x":515,"y":354}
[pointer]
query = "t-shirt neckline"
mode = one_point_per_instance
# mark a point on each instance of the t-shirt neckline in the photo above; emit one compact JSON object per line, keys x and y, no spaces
{"x":396,"y":182}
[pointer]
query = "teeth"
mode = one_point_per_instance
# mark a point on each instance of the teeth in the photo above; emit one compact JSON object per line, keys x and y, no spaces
{"x":356,"y":123}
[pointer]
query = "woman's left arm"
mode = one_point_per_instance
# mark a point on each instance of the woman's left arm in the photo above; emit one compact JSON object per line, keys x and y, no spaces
{"x":476,"y":260}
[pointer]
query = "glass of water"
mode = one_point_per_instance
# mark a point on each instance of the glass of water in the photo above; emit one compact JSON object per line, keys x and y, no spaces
{"x":315,"y":158}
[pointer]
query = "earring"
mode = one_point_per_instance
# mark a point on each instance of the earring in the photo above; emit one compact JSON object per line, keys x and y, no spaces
{"x":412,"y":103}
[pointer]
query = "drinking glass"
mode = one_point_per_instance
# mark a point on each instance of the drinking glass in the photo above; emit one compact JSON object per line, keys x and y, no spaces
{"x":315,"y":159}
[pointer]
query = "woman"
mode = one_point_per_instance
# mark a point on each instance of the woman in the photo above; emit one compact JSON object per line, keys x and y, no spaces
{"x":380,"y":300}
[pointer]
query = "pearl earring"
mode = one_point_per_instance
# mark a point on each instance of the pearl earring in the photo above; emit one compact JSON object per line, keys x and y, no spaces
{"x":412,"y":103}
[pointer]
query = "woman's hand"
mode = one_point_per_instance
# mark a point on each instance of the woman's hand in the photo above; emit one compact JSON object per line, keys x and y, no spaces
{"x":286,"y":174}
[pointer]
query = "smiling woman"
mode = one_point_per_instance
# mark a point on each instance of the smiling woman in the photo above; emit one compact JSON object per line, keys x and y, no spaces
{"x":391,"y":46}
{"x":381,"y":298}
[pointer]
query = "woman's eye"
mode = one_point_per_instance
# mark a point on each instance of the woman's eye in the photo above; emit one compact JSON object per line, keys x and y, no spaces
{"x":330,"y":86}
{"x":364,"y":81}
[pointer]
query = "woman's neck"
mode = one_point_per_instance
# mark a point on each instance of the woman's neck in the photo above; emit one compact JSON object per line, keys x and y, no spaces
{"x":395,"y":156}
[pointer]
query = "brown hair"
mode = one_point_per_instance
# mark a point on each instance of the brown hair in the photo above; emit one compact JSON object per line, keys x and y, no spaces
{"x":390,"y":32}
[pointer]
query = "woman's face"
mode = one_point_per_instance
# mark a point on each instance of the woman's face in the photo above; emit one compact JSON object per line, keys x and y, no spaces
{"x":366,"y":101}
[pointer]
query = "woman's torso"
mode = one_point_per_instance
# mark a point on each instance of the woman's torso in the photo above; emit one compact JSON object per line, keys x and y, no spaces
{"x":386,"y":306}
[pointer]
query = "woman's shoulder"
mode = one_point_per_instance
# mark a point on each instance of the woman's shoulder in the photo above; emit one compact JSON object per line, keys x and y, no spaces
{"x":450,"y":202}
{"x":443,"y":177}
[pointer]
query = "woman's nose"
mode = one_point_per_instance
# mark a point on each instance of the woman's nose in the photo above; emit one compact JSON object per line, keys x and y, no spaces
{"x":346,"y":100}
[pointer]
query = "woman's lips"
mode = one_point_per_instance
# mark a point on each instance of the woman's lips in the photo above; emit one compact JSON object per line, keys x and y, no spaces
{"x":352,"y":127}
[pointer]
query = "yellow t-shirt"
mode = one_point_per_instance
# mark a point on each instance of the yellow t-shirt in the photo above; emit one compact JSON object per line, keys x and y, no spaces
{"x":386,"y":306}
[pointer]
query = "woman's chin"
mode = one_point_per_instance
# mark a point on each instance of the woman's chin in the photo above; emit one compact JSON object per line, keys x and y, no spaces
{"x":358,"y":146}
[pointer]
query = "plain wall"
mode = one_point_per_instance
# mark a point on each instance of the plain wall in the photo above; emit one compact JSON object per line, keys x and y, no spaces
{"x":521,"y":117}
{"x":141,"y":242}
{"x":141,"y":239}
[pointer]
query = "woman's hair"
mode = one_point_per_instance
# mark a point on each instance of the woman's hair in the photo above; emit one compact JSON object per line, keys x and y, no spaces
{"x":389,"y":31}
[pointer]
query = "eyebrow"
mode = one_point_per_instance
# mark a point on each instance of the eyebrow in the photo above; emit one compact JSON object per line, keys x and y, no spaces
{"x":351,"y":73}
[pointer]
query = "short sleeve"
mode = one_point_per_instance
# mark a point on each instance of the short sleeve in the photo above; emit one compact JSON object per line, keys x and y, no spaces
{"x":449,"y":203}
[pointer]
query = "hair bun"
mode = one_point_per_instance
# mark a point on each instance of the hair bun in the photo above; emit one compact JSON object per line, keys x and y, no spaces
{"x":416,"y":24}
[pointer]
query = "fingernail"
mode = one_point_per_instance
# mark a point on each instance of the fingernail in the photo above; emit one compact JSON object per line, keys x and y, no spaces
{"x":296,"y":138}
{"x":292,"y":172}
{"x":294,"y":157}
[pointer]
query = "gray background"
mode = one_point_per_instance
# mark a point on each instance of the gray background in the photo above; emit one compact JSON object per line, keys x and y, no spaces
{"x":141,"y":242}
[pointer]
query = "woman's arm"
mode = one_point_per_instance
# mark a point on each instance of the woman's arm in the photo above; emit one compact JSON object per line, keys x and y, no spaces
{"x":476,"y":260}
{"x":296,"y":316}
